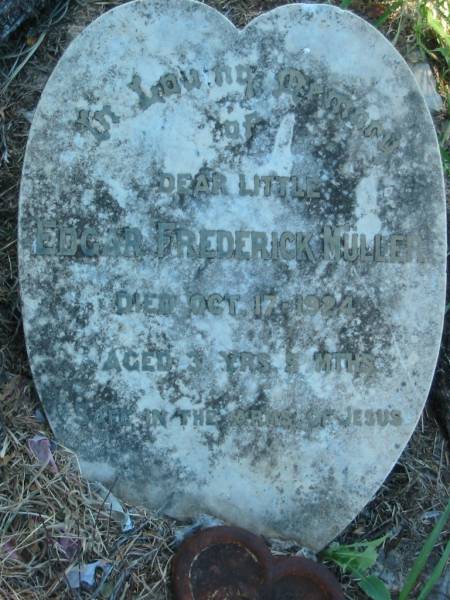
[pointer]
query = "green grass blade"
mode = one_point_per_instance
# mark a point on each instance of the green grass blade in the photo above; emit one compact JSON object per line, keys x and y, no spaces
{"x":374,"y":588}
{"x":438,"y":28}
{"x":345,"y":3}
{"x":387,"y":13}
{"x":424,"y":554}
{"x":445,"y":52}
{"x":435,"y":575}
{"x":446,"y":162}
{"x":16,"y":70}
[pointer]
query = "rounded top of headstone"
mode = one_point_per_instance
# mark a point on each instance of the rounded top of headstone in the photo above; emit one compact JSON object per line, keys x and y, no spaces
{"x":232,"y":260}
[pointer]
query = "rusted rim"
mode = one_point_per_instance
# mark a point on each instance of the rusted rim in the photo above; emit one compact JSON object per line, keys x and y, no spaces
{"x":191,"y":549}
{"x":199,"y":576}
{"x":296,"y":572}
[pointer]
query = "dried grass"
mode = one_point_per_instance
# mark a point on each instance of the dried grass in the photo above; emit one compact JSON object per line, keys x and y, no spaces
{"x":41,"y":510}
{"x":52,"y":522}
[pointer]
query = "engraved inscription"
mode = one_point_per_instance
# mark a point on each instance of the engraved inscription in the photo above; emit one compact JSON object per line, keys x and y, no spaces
{"x":282,"y":419}
{"x":132,"y":360}
{"x":288,"y":80}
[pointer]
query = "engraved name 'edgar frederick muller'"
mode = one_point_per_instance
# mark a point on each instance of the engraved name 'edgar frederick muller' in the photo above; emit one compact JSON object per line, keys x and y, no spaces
{"x":171,"y":240}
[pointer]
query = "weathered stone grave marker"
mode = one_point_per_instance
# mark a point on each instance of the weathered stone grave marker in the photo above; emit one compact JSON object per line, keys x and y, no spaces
{"x":232,"y":261}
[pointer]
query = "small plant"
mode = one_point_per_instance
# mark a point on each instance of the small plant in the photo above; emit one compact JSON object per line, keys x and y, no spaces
{"x":433,"y":26}
{"x":358,"y":558}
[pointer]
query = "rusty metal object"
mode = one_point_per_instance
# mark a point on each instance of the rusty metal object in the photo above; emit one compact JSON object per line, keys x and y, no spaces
{"x":295,"y":578}
{"x":221,"y":563}
{"x":229,"y":563}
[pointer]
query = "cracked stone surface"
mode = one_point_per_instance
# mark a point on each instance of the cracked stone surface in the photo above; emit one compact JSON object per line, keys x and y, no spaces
{"x":232,"y":261}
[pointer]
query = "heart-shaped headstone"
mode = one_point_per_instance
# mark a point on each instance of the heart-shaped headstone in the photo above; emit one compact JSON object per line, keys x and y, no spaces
{"x":232,"y":261}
